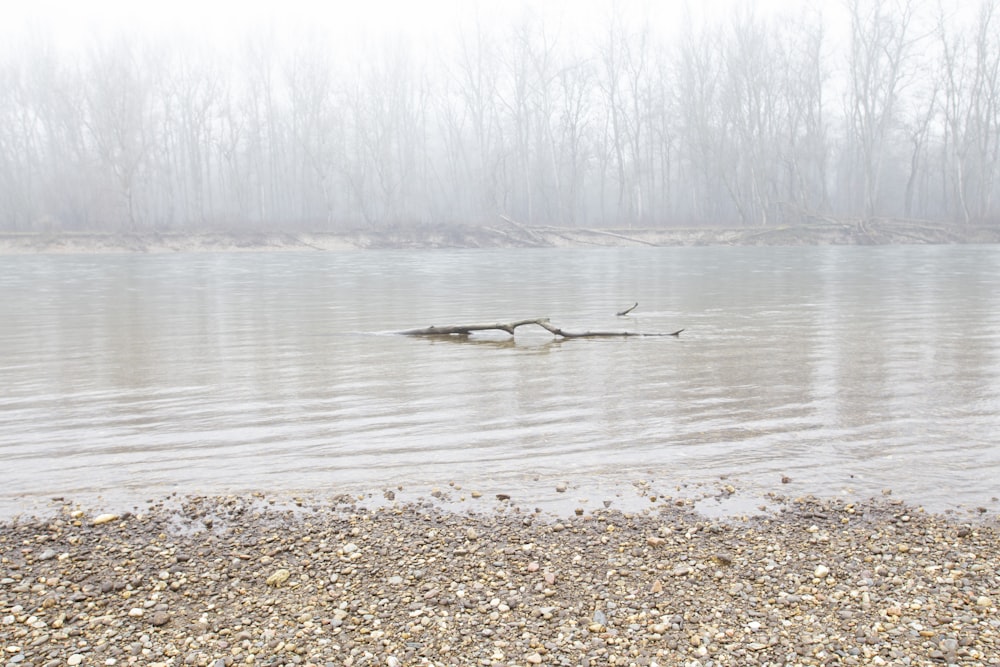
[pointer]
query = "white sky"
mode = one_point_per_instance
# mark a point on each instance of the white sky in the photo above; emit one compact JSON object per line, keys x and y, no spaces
{"x":69,"y":18}
{"x":71,"y":22}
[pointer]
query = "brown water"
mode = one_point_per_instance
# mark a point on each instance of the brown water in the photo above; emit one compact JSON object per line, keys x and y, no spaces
{"x":844,"y":369}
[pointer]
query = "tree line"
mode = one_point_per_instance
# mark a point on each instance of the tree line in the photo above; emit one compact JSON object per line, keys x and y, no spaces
{"x":890,"y":110}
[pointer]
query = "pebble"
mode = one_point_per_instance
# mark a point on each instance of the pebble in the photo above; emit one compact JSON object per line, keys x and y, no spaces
{"x":104,"y":518}
{"x":417,"y":584}
{"x":561,"y":487}
{"x":278,"y":578}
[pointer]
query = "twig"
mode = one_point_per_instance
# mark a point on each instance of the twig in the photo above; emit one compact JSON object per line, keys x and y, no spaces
{"x":627,"y":310}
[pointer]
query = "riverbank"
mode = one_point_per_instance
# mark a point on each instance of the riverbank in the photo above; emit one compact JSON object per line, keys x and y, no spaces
{"x":503,"y":235}
{"x":249,"y":580}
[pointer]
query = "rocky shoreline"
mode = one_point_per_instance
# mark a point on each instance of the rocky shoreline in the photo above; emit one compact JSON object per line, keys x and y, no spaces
{"x":252,"y":581}
{"x":502,"y":235}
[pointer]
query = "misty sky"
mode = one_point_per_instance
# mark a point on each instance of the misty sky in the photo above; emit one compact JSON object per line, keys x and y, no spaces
{"x":75,"y":22}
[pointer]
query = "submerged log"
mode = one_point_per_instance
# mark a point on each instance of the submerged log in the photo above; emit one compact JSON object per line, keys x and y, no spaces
{"x":466,"y":329}
{"x":510,"y":327}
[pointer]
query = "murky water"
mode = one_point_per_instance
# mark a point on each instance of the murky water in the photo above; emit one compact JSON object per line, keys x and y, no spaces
{"x":840,"y":368}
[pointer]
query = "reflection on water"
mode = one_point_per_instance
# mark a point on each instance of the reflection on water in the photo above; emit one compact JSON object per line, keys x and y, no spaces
{"x":859,"y":368}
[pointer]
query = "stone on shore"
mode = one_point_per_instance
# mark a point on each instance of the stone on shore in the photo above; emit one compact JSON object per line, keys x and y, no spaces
{"x":815,"y":582}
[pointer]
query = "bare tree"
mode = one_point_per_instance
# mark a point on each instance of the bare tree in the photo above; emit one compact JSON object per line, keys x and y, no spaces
{"x":881,"y":47}
{"x":191,"y":96}
{"x":265,"y":140}
{"x":736,"y":120}
{"x":662,"y":143}
{"x":625,"y":55}
{"x":804,"y":145}
{"x":918,"y":128}
{"x":474,"y":119}
{"x":20,"y":154}
{"x":571,"y":140}
{"x":317,"y":130}
{"x":698,"y":94}
{"x":972,"y":110}
{"x":754,"y":104}
{"x":386,"y":135}
{"x":526,"y":96}
{"x":119,"y":117}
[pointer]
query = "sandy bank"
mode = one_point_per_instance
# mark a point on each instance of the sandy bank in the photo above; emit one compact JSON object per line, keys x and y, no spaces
{"x":240,"y":581}
{"x":501,"y":236}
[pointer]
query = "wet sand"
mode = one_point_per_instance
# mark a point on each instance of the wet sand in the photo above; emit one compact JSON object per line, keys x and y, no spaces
{"x":253,"y":580}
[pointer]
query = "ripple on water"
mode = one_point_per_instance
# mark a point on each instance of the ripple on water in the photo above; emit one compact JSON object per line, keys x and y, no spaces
{"x":845,"y":368}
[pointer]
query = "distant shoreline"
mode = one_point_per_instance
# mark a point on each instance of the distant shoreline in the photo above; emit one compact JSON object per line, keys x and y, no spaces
{"x":877,"y":232}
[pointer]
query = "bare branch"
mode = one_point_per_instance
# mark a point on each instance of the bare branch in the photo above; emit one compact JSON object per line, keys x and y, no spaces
{"x":466,"y":329}
{"x":627,"y":310}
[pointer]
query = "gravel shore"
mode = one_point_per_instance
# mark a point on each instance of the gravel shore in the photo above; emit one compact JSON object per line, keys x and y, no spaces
{"x":246,"y":580}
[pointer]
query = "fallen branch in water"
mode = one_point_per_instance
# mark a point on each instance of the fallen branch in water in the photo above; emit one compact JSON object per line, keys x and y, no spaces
{"x":510,"y":327}
{"x":628,"y":310}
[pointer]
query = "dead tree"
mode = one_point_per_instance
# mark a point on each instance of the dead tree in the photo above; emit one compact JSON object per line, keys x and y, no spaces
{"x":510,"y":327}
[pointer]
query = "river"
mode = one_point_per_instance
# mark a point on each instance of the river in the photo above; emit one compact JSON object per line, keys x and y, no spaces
{"x":838,"y":369}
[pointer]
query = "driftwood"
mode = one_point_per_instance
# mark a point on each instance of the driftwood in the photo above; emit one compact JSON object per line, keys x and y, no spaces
{"x":631,"y":239}
{"x":510,"y":327}
{"x":531,"y":234}
{"x":623,"y":313}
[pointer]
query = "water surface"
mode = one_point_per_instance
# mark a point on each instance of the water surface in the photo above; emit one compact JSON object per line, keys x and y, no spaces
{"x":841,"y":368}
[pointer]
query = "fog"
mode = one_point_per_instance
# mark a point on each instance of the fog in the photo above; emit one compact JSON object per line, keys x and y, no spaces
{"x":197,"y":116}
